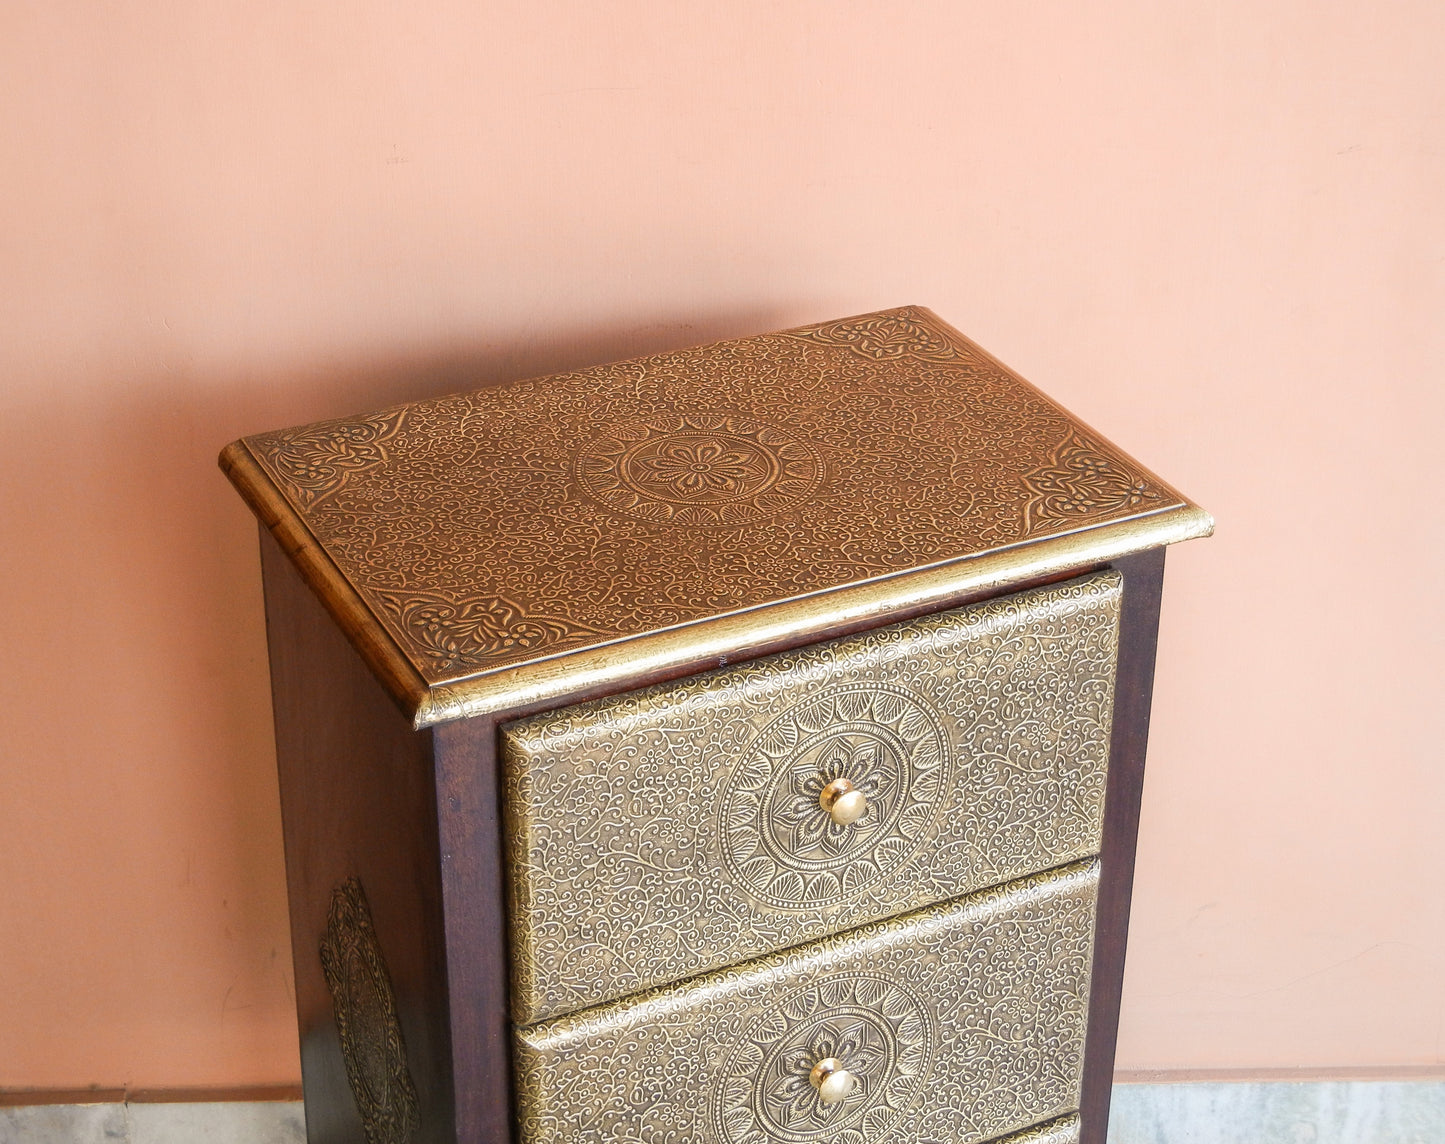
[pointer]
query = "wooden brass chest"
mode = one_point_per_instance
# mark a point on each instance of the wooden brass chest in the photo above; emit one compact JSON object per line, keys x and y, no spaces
{"x":734,"y":746}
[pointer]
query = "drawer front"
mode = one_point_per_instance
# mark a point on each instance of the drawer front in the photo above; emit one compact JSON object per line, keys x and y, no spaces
{"x":682,"y":828}
{"x":1064,"y":1130}
{"x":960,"y":1023}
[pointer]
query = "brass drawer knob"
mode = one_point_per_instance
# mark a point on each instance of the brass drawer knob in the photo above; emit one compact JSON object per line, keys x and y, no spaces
{"x":832,"y":1080}
{"x":843,"y":801}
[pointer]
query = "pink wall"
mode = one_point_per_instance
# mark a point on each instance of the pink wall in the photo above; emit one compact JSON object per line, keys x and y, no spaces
{"x":1216,"y":231}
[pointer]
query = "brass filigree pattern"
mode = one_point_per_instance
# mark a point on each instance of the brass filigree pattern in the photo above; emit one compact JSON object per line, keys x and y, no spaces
{"x":964,"y":1023}
{"x":875,"y":1027}
{"x":633,"y":498}
{"x":1062,"y":1130}
{"x":678,"y":829}
{"x":448,"y":633}
{"x":708,"y":472}
{"x":776,"y":839}
{"x":315,"y":461}
{"x":366,"y":1020}
{"x":1082,"y":479}
{"x":894,"y":334}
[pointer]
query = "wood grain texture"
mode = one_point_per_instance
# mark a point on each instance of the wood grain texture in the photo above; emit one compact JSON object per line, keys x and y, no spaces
{"x":471,"y":878}
{"x":1133,"y":692}
{"x":357,"y":800}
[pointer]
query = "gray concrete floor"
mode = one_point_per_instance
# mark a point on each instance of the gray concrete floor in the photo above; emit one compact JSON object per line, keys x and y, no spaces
{"x":1280,"y":1112}
{"x":269,"y":1123}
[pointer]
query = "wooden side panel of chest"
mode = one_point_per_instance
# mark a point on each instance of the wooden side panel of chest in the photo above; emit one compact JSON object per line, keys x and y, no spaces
{"x":398,"y":1045}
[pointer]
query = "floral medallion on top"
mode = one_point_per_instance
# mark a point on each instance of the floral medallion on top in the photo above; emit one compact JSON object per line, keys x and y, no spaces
{"x":705,"y":471}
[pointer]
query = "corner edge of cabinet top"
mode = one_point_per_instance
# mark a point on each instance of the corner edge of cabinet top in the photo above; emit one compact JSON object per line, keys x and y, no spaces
{"x":523,"y":544}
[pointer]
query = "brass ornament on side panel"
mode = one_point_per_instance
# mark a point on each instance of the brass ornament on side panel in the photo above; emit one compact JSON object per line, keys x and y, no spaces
{"x":960,"y":1023}
{"x":372,"y":1045}
{"x":675,"y":830}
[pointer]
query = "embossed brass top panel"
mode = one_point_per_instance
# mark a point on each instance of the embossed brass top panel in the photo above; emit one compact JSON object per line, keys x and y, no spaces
{"x":491,"y":548}
{"x":960,"y":1023}
{"x":682,"y":828}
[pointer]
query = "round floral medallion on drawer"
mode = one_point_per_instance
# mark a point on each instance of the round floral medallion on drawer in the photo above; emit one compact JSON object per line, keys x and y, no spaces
{"x":873,"y":1027}
{"x":778,"y":839}
{"x":702,"y":471}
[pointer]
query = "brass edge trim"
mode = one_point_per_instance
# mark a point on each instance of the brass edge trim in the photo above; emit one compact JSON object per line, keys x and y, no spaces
{"x":611,"y":665}
{"x":396,"y":673}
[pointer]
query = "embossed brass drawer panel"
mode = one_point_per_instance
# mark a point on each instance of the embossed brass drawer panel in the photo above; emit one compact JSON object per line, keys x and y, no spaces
{"x":683,"y":828}
{"x":1064,"y":1130}
{"x":960,"y":1023}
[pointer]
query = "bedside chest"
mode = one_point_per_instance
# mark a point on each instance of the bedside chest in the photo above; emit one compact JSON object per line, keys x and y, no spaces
{"x":737,"y":745}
